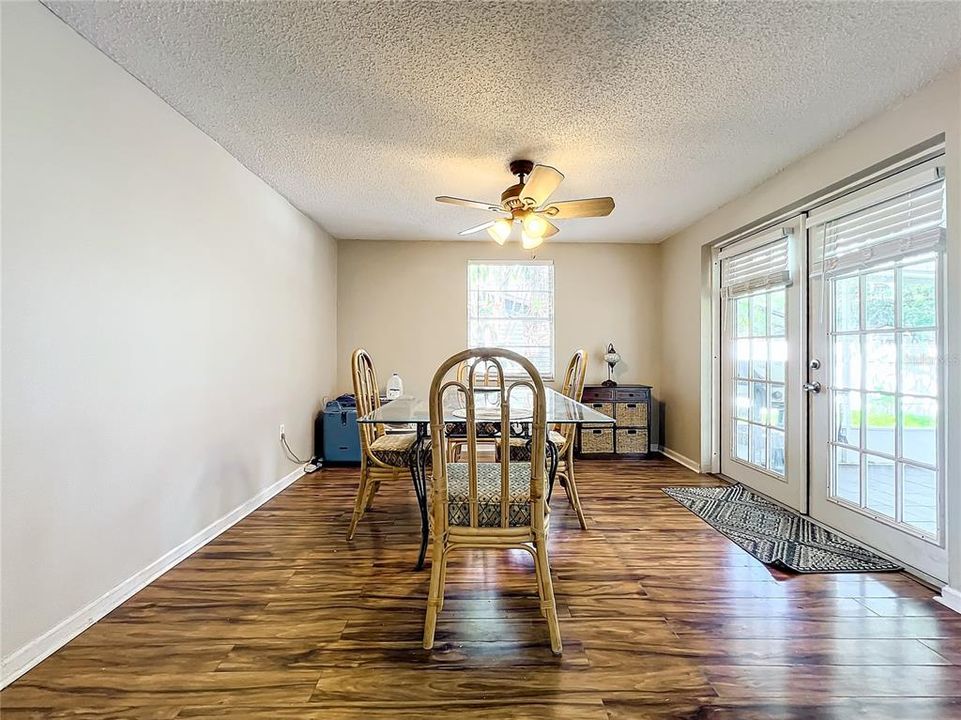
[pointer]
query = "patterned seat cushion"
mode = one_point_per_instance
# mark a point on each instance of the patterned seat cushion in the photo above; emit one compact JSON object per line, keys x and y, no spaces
{"x":521,"y":452}
{"x":489,"y":495}
{"x":484,"y":429}
{"x":394,"y":449}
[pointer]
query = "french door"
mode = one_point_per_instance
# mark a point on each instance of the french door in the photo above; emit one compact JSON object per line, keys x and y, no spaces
{"x":875,"y":382}
{"x":762,"y":422}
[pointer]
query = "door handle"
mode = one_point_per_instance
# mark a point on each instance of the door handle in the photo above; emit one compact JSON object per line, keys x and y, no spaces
{"x":814,"y":387}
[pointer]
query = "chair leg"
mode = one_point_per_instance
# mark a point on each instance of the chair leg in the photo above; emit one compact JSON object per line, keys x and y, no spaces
{"x":540,"y":584}
{"x":443,"y":583}
{"x":572,"y":488}
{"x":562,"y":479}
{"x":548,"y":604}
{"x":374,"y":487}
{"x":361,"y":502}
{"x":438,"y":552}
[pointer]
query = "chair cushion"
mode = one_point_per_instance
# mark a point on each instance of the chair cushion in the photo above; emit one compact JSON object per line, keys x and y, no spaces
{"x":482,"y":429}
{"x":394,"y":449}
{"x":521,"y":452}
{"x":489,"y":495}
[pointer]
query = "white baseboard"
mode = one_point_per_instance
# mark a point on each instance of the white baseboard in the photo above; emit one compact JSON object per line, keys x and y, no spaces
{"x":26,"y":657}
{"x":678,"y":458}
{"x":950,"y":598}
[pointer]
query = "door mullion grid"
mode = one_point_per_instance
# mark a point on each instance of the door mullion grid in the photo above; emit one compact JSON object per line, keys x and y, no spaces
{"x":863,"y":400}
{"x":767,"y":380}
{"x":898,"y":419}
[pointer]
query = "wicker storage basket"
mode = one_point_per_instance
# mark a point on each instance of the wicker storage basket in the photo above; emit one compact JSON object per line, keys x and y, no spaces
{"x":605,"y":408}
{"x":632,"y":440}
{"x":632,"y":414}
{"x":596,"y":440}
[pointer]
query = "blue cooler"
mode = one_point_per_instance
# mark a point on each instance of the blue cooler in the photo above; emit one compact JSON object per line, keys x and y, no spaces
{"x":341,"y":439}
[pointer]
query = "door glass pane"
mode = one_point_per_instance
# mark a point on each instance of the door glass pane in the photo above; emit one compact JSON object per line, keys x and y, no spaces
{"x":881,"y":419}
{"x":758,"y":445}
{"x":743,"y":359}
{"x":880,"y":354}
{"x":920,"y":498}
{"x":742,"y":441}
{"x":879,"y":299}
{"x":847,"y":418}
{"x":759,"y":402}
{"x":776,"y":313}
{"x":742,"y":313}
{"x":759,"y":358}
{"x":775,"y":406}
{"x":918,"y":293}
{"x":742,"y":400}
{"x":777,"y":357}
{"x":847,"y":475}
{"x":879,"y":476}
{"x":759,"y":315}
{"x":919,"y":429}
{"x":847,"y":361}
{"x":776,"y":445}
{"x":919,"y":363}
{"x":847,"y":308}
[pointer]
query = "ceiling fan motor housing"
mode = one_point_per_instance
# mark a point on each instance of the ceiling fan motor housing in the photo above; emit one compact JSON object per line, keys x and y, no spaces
{"x":511,"y":197}
{"x":521,"y":167}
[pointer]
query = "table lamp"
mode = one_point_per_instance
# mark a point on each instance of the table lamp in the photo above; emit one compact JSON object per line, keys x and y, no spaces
{"x":611,"y":358}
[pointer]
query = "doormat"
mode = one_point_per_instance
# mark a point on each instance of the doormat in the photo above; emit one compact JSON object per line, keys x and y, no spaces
{"x":775,"y":535}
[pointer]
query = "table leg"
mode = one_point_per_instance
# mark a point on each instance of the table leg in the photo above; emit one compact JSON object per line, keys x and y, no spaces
{"x":552,"y":460}
{"x":552,"y":469}
{"x":418,"y":474}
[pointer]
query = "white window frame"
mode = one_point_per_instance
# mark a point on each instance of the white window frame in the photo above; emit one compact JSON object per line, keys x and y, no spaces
{"x":546,"y":377}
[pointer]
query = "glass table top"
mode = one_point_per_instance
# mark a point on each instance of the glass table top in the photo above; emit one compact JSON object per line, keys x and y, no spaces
{"x":560,"y":409}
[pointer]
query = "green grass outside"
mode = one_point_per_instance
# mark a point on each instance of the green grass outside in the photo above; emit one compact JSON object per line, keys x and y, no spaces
{"x":887,"y":420}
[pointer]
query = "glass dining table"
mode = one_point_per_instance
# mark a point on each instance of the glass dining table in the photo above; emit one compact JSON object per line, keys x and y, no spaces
{"x":412,"y":412}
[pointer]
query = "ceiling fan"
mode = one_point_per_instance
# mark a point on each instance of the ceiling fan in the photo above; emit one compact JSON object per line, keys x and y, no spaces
{"x":526,"y":203}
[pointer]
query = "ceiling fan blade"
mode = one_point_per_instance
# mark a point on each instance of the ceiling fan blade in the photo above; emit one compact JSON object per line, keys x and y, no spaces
{"x":589,"y":207}
{"x":552,"y":229}
{"x":476,"y":228}
{"x":476,"y":204}
{"x":542,"y":181}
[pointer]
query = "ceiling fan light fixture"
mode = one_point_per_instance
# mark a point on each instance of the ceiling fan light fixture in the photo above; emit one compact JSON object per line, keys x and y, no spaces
{"x":529,"y":242}
{"x":535,"y":225}
{"x":500,"y":231}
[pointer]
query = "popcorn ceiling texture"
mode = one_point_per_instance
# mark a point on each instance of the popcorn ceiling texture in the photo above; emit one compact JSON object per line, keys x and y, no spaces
{"x":361,"y":112}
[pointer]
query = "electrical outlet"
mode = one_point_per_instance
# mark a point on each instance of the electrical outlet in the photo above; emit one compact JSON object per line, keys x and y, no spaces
{"x":283,"y":432}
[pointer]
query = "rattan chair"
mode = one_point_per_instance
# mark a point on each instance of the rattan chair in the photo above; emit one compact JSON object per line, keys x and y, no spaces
{"x":383,"y":455}
{"x":489,"y":505}
{"x":456,"y":432}
{"x":562,"y":436}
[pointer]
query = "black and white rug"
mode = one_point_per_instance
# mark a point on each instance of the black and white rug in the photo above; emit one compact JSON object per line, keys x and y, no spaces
{"x":775,"y":535}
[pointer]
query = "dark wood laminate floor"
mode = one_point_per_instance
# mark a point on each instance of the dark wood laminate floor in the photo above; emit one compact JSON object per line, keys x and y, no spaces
{"x":662,"y":617}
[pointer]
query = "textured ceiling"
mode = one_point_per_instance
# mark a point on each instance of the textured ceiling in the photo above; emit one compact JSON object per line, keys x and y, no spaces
{"x":361,"y":112}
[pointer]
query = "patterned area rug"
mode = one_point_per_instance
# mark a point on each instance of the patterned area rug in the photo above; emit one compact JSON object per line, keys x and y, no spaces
{"x":774,"y":535}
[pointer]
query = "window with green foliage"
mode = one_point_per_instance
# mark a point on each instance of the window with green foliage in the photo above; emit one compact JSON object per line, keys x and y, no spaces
{"x":511,"y":305}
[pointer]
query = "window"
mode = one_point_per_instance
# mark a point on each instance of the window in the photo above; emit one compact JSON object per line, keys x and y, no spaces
{"x":511,"y":305}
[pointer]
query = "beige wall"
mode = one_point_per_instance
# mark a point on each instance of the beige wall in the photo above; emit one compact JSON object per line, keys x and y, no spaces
{"x":163,"y":312}
{"x":406,"y":302}
{"x":685,"y":384}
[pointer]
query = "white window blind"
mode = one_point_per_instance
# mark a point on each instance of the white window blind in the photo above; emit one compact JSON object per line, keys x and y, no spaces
{"x":511,"y":305}
{"x":906,"y":224}
{"x":764,"y":266}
